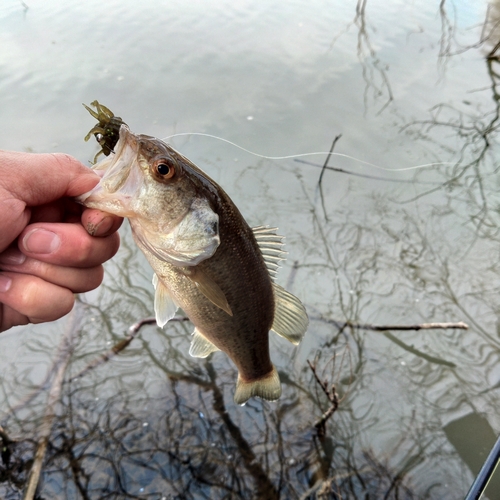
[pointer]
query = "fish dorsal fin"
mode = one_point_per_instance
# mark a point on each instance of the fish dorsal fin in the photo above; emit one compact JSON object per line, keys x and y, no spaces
{"x":208,"y":287}
{"x":201,"y":347}
{"x":271,"y":247}
{"x":290,"y":317}
{"x":165,"y":307}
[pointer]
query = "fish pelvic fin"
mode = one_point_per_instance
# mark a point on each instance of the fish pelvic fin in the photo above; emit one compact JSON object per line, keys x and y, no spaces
{"x":290,"y":317}
{"x":165,"y":307}
{"x":209,"y":288}
{"x":271,"y":247}
{"x":268,"y":388}
{"x":201,"y":347}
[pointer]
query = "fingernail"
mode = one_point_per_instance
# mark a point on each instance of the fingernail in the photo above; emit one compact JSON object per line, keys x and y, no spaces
{"x":5,"y":283}
{"x":12,"y":256}
{"x":101,"y":228}
{"x":41,"y":241}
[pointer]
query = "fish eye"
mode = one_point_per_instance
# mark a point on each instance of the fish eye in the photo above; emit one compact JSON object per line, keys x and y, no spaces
{"x":165,"y":168}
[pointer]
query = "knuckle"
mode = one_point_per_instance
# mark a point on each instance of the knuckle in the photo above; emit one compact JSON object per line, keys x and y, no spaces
{"x":64,"y":158}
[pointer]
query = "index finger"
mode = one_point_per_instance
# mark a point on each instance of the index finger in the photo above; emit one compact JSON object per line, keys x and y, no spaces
{"x":37,"y":179}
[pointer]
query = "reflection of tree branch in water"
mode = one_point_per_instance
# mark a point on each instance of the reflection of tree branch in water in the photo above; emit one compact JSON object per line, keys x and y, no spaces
{"x":265,"y":488}
{"x":368,"y":73}
{"x":67,"y":347}
{"x":473,"y":133}
{"x":448,"y":33}
{"x":90,"y":442}
{"x":366,"y":52}
{"x":417,"y":352}
{"x":366,"y":176}
{"x":341,"y":325}
{"x":333,"y":397}
{"x":117,"y":348}
{"x":477,"y":133}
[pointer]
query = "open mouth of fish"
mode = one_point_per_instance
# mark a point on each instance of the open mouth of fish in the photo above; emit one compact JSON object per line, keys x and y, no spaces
{"x":121,"y":177}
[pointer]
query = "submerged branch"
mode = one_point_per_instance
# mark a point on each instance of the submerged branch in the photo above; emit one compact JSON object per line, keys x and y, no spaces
{"x":320,"y":185}
{"x":460,"y":325}
{"x":328,"y":158}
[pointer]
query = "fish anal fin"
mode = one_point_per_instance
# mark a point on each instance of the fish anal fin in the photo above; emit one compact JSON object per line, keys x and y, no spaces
{"x":165,"y":307}
{"x":209,"y":288}
{"x":268,"y":388}
{"x":290,"y":317}
{"x":201,"y":347}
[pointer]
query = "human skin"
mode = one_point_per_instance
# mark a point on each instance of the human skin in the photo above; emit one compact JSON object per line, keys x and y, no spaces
{"x":50,"y":246}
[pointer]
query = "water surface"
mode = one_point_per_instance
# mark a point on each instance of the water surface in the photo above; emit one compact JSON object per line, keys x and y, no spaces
{"x":405,"y":232}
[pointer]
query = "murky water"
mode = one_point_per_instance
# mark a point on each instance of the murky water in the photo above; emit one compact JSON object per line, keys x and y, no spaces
{"x":404,"y":231}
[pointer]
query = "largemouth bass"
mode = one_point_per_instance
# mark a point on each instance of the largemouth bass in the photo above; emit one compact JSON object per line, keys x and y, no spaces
{"x":206,"y":259}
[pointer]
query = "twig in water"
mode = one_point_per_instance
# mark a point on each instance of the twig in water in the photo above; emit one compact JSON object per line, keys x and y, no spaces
{"x":341,"y":325}
{"x":323,"y":171}
{"x":328,"y":158}
{"x":460,"y":325}
{"x":332,"y":396}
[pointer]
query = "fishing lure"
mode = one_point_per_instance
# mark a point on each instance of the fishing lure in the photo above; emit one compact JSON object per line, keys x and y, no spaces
{"x":107,"y":131}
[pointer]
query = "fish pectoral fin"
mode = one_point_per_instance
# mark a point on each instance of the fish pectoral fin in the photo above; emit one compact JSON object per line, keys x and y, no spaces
{"x":290,"y":317}
{"x":165,"y":307}
{"x":268,"y":388}
{"x":201,"y":347}
{"x":210,"y":289}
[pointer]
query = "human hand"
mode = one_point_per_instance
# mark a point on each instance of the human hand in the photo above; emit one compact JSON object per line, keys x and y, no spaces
{"x":46,"y":251}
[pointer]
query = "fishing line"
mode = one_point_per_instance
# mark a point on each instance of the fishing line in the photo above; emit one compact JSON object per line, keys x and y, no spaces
{"x":288,"y":157}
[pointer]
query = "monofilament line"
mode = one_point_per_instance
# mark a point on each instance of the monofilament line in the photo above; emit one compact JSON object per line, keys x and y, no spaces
{"x":315,"y":153}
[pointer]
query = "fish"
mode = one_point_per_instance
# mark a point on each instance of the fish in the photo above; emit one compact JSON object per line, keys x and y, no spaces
{"x":206,"y":259}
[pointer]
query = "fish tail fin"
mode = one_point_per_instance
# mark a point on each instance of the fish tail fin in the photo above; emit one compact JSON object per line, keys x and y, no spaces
{"x":268,"y":387}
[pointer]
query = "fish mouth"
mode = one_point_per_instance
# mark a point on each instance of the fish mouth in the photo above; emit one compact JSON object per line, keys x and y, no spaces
{"x":121,"y":177}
